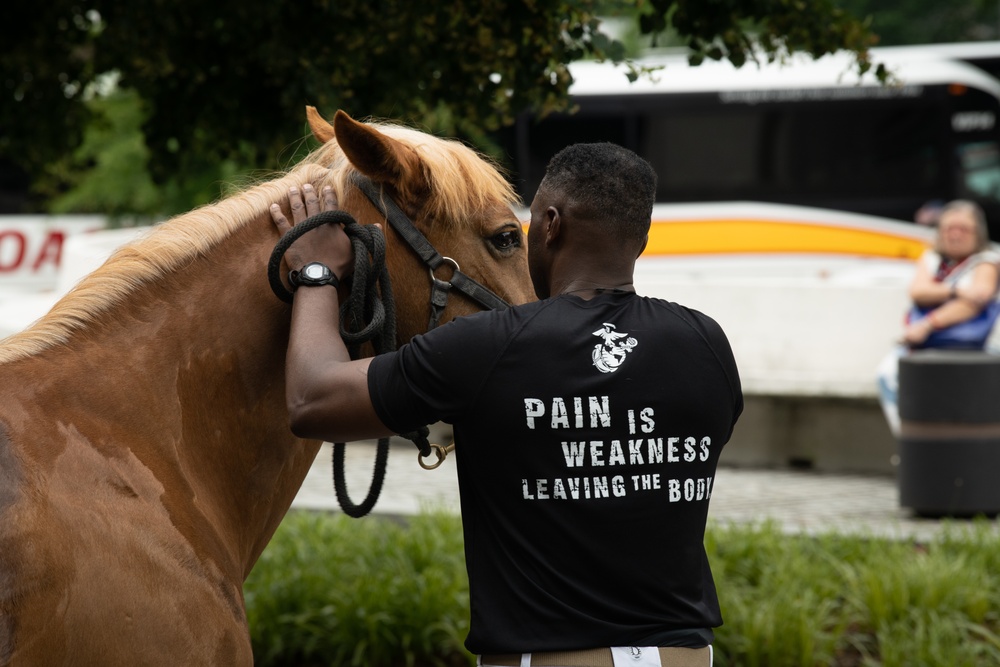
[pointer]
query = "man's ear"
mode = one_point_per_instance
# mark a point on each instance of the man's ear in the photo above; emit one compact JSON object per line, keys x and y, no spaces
{"x":553,"y":228}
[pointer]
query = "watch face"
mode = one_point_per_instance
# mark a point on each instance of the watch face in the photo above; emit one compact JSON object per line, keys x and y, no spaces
{"x":314,"y":271}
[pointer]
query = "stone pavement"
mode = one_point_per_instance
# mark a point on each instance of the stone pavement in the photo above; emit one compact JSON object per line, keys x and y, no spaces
{"x":801,"y":502}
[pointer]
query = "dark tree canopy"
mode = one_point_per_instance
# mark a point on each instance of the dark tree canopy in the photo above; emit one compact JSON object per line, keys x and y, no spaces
{"x":228,"y":80}
{"x":928,"y":21}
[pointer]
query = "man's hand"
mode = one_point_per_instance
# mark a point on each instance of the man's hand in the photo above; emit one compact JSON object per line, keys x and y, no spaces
{"x":326,"y":392}
{"x":327,"y":243}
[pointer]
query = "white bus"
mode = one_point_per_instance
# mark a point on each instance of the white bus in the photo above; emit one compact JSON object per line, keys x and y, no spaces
{"x":808,"y":133}
{"x":785,"y":202}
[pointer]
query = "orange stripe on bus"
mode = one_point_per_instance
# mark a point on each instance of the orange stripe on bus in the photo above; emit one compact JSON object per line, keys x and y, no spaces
{"x":687,"y":237}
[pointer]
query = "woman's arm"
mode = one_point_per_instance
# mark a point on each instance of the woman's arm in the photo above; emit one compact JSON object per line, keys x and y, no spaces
{"x":983,"y":287}
{"x":969,"y":301}
{"x":927,"y":292}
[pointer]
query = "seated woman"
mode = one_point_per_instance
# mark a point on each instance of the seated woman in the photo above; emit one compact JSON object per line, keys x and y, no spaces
{"x":954,"y":293}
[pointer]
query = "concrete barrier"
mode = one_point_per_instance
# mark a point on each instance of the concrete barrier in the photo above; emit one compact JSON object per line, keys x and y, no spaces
{"x":807,"y":334}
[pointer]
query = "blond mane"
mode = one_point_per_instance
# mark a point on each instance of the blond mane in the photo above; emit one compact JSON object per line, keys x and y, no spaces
{"x":462,"y":184}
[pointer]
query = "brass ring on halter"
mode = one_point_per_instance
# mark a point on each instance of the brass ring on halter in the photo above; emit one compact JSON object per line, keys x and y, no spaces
{"x":442,"y":453}
{"x":443,"y":260}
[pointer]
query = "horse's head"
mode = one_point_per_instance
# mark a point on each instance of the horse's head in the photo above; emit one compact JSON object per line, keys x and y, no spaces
{"x":458,"y":200}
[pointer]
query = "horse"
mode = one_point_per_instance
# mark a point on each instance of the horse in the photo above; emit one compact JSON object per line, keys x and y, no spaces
{"x":145,"y":454}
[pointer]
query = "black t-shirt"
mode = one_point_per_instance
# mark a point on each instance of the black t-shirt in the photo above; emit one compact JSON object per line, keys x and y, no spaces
{"x":587,"y":436}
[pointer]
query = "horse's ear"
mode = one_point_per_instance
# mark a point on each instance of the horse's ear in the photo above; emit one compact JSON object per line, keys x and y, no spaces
{"x":377,"y":156}
{"x":321,"y":129}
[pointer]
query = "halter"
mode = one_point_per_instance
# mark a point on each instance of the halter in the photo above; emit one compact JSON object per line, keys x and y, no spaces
{"x":381,"y":327}
{"x":431,"y":257}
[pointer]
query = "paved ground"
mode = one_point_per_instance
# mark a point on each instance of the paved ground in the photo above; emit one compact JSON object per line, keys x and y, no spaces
{"x":803,"y":502}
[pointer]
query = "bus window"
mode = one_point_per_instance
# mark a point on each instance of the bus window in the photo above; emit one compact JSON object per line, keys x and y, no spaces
{"x":550,"y":135}
{"x":859,"y":151}
{"x":980,"y":169}
{"x":700,"y":152}
{"x":794,"y":153}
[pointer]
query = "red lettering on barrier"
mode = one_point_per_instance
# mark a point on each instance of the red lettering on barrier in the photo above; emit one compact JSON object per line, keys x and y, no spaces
{"x":18,"y":238}
{"x":51,"y":250}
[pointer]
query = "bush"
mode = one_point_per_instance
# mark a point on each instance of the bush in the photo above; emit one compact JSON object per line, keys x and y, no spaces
{"x":330,"y":590}
{"x":335,"y":591}
{"x":799,"y":601}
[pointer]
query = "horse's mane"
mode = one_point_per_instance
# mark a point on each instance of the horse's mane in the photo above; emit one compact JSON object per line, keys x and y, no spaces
{"x":462,"y":183}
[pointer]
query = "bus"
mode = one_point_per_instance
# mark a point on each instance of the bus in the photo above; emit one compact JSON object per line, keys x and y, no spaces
{"x":809,"y":133}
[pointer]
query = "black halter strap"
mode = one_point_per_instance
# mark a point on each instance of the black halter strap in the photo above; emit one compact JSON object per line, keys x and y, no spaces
{"x":431,"y":257}
{"x":364,"y":304}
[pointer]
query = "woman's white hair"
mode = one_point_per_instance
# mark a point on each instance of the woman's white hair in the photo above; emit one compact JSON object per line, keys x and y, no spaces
{"x":977,"y":214}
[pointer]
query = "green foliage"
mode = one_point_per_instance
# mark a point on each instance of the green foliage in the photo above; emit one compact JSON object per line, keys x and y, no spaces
{"x":747,"y":30}
{"x":115,"y":152}
{"x":778,"y":612}
{"x":45,"y":61}
{"x":223,"y":82}
{"x":226,"y":80}
{"x":109,"y":171}
{"x":794,"y":601}
{"x":928,"y":21}
{"x":336,"y":591}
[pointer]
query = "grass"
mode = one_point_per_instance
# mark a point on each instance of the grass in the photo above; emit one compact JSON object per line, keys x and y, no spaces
{"x":335,"y":591}
{"x":330,"y":590}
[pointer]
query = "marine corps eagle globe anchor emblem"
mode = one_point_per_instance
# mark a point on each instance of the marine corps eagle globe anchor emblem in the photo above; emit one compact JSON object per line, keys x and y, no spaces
{"x":610,"y":354}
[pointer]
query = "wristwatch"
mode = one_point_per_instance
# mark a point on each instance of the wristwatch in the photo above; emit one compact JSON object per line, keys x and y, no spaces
{"x":313,"y":274}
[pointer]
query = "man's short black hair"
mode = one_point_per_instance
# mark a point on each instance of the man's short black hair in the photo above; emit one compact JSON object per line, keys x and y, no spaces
{"x":610,"y":182}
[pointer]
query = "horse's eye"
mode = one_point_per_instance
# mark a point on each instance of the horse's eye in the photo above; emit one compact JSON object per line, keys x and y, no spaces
{"x":506,"y":240}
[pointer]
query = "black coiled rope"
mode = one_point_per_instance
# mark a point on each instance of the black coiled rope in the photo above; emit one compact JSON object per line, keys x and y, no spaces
{"x":369,"y":314}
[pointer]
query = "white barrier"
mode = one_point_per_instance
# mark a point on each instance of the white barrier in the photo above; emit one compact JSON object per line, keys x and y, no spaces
{"x":81,"y":253}
{"x":32,"y":248}
{"x":804,"y":326}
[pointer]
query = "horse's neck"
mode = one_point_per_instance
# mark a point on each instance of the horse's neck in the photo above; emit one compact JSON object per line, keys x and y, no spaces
{"x":194,"y":364}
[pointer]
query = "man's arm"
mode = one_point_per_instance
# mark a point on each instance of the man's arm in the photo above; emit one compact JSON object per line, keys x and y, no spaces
{"x":326,"y":392}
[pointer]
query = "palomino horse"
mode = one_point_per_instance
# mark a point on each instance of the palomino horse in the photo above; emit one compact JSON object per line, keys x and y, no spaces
{"x":145,"y":456}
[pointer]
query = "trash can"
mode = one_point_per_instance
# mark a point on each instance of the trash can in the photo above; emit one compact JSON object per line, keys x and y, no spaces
{"x":949,"y":444}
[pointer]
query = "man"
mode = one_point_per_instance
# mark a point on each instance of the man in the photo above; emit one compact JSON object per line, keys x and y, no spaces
{"x":588,"y":426}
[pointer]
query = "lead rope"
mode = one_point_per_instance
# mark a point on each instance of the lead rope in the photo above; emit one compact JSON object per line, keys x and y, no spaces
{"x":364,"y":317}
